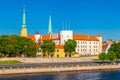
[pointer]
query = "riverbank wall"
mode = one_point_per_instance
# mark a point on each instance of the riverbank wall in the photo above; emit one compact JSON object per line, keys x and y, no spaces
{"x":57,"y":68}
{"x":51,"y":60}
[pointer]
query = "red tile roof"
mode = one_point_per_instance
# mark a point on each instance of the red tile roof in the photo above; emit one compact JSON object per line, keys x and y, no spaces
{"x":84,"y":37}
{"x":104,"y":46}
{"x":51,"y":37}
{"x":31,"y":37}
{"x":75,"y":37}
{"x":59,"y":46}
{"x":99,"y":35}
{"x":37,"y":32}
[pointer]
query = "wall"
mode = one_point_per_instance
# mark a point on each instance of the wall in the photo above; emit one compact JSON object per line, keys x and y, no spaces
{"x":59,"y":68}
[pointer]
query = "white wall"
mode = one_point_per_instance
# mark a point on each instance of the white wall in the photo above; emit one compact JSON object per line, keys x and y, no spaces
{"x":87,"y":47}
{"x":37,"y":36}
{"x":65,"y":35}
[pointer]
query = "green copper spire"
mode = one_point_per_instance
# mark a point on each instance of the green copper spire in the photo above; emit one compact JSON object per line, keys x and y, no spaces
{"x":50,"y":26}
{"x":24,"y":18}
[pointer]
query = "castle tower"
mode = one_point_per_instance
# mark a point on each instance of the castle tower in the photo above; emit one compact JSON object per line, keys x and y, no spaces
{"x":100,"y":43}
{"x":24,"y":28}
{"x":50,"y":26}
{"x":65,"y":35}
{"x":37,"y":36}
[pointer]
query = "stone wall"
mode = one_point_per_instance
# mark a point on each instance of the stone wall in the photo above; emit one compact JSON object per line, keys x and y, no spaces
{"x":59,"y":68}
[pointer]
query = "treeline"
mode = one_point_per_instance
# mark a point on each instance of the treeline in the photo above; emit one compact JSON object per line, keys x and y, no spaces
{"x":15,"y":46}
{"x":113,"y":53}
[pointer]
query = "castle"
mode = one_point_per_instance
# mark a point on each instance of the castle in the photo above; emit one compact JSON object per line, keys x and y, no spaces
{"x":86,"y":44}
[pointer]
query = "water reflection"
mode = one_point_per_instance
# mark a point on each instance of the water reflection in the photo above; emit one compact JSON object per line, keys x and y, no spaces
{"x":91,"y":75}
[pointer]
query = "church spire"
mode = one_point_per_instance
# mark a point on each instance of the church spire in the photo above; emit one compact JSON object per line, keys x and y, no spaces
{"x":50,"y":26}
{"x":24,"y":18}
{"x":24,"y":29}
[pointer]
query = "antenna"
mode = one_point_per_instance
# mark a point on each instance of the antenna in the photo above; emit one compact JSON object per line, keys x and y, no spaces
{"x":63,"y":25}
{"x":69,"y":24}
{"x":66,"y":24}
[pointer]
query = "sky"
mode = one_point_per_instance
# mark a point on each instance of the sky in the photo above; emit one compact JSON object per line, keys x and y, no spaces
{"x":85,"y":16}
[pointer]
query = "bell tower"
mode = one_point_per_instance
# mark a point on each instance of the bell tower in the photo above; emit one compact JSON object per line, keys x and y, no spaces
{"x":24,"y":28}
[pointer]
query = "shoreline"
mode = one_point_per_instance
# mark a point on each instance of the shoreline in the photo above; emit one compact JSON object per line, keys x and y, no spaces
{"x":28,"y":74}
{"x":57,"y":69}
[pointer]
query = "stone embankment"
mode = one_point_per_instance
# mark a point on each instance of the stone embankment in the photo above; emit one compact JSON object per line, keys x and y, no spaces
{"x":49,"y":60}
{"x":58,"y":68}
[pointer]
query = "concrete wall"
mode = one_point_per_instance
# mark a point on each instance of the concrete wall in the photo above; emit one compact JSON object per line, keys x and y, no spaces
{"x":59,"y":68}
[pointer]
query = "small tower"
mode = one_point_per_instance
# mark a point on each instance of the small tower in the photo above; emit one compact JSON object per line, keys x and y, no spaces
{"x":37,"y":36}
{"x":99,"y":37}
{"x":24,"y":28}
{"x":50,"y":26}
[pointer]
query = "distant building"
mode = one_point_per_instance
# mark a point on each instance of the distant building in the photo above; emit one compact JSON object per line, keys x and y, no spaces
{"x":106,"y":45}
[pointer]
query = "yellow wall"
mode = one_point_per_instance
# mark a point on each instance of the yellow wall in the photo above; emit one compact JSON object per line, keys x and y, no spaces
{"x":76,"y":55}
{"x":24,"y":32}
{"x":59,"y":52}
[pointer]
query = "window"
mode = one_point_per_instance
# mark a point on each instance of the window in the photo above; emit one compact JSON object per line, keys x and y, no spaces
{"x":69,"y":55}
{"x":65,"y":55}
{"x":51,"y":55}
{"x":67,"y":36}
{"x":57,"y":50}
{"x":39,"y":50}
{"x":90,"y":49}
{"x":57,"y":55}
{"x":64,"y":40}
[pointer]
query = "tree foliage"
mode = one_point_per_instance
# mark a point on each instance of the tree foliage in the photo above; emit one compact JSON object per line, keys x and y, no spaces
{"x":70,"y":46}
{"x":15,"y":46}
{"x":102,"y":56}
{"x":116,"y":49}
{"x":111,"y":56}
{"x":48,"y":47}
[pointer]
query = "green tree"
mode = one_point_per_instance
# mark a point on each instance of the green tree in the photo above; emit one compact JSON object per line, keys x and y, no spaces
{"x":48,"y":48}
{"x":4,"y":45}
{"x":15,"y":45}
{"x":70,"y":46}
{"x":111,"y":56}
{"x":102,"y":56}
{"x":116,"y":49}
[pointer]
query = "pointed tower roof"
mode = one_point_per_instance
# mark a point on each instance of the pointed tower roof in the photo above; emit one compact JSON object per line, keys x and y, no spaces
{"x":50,"y":26}
{"x":99,"y":35}
{"x":24,"y":18}
{"x":24,"y":29}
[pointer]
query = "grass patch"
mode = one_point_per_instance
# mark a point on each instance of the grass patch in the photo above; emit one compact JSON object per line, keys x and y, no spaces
{"x":96,"y":59}
{"x":10,"y":62}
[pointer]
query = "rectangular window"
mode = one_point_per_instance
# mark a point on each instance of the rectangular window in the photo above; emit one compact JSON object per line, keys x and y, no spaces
{"x":57,"y":50}
{"x":90,"y":42}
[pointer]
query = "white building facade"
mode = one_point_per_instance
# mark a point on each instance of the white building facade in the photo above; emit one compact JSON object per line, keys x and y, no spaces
{"x":86,"y":44}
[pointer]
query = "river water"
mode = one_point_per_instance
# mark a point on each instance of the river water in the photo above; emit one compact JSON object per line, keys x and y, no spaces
{"x":80,"y":75}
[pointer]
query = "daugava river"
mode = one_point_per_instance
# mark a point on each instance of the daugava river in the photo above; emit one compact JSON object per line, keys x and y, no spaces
{"x":80,"y":75}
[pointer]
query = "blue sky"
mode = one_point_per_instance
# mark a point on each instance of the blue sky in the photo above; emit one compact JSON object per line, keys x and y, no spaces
{"x":85,"y":16}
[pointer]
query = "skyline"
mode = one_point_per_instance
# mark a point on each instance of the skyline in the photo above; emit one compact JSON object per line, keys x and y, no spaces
{"x":86,"y":17}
